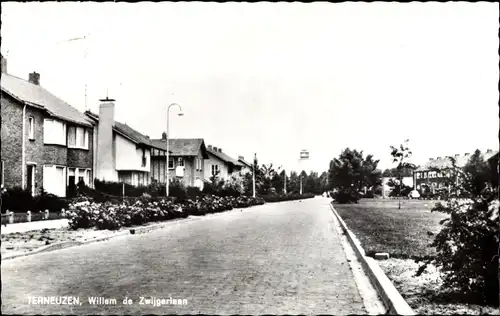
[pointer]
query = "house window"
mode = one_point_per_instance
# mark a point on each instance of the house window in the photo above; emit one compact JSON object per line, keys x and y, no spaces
{"x":54,"y":132}
{"x":215,"y":170}
{"x":78,"y":137}
{"x":31,"y":127}
{"x":180,"y":162}
{"x":143,"y":164}
{"x":198,"y":164}
{"x":170,"y":163}
{"x":418,"y":175}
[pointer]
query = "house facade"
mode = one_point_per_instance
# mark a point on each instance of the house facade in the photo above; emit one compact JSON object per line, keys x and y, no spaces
{"x":220,"y":164}
{"x":427,"y":175}
{"x":46,"y":143}
{"x":186,"y":160}
{"x":122,"y":153}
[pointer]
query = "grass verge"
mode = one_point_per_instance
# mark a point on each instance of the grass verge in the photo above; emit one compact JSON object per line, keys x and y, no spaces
{"x":406,"y":234}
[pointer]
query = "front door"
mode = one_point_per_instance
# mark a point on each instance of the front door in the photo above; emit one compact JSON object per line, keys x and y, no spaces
{"x":31,"y":179}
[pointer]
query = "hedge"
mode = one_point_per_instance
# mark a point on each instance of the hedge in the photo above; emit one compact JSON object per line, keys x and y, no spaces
{"x":289,"y":197}
{"x":19,"y":200}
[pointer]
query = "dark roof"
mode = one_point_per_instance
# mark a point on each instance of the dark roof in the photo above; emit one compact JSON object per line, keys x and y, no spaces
{"x":126,"y":131}
{"x":222,"y":156}
{"x":35,"y":95}
{"x":183,"y":146}
{"x":444,"y":162}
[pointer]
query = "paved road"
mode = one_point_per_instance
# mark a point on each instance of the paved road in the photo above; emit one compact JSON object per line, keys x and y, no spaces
{"x":283,"y":258}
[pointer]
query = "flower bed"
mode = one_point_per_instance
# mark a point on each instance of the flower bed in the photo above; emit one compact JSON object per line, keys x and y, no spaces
{"x":112,"y":215}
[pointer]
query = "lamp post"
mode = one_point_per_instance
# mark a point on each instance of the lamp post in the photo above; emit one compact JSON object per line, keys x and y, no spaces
{"x":166,"y":140}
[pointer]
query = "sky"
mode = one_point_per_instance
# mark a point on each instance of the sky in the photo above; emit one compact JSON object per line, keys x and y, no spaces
{"x":274,"y":78}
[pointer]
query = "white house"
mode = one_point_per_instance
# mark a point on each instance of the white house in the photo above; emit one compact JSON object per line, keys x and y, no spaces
{"x":122,"y":154}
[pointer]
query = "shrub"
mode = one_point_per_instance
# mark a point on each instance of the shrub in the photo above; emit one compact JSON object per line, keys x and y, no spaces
{"x":177,"y":189}
{"x":346,"y":196}
{"x":51,"y":202}
{"x":193,"y":192}
{"x":468,"y":242}
{"x":233,"y":187}
{"x":17,"y":200}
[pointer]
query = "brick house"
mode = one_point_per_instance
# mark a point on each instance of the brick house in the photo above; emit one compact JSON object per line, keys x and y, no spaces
{"x":122,"y":153}
{"x":186,"y":160}
{"x":425,"y":175}
{"x":45,"y":141}
{"x":220,"y":163}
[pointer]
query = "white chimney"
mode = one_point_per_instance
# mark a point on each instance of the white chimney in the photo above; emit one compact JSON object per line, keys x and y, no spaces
{"x":105,"y":148}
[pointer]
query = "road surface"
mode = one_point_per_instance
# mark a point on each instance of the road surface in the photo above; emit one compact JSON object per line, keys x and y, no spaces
{"x":281,"y":258}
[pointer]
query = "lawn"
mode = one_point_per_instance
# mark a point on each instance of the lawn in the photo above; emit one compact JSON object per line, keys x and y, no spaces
{"x":381,"y":227}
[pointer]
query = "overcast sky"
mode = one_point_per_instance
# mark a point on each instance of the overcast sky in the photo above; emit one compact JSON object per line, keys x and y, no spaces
{"x":275,"y":78}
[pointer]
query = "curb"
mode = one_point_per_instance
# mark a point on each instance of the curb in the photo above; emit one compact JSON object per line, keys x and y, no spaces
{"x":392,"y":299}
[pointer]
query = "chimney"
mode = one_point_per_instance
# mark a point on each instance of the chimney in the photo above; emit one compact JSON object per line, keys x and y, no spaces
{"x":431,"y":159}
{"x":489,"y":150}
{"x":220,"y":149}
{"x":4,"y":65}
{"x":105,"y":148}
{"x":34,"y":78}
{"x":210,"y":147}
{"x":438,"y":158}
{"x":241,"y":158}
{"x":164,"y":136}
{"x":457,"y":155}
{"x":215,"y":149}
{"x":466,"y":154}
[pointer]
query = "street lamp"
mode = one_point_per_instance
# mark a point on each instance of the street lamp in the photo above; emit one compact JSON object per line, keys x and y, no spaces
{"x":166,"y":139}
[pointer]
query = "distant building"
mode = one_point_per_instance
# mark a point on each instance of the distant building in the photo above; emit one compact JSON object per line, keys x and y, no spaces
{"x":186,"y":160}
{"x":219,"y":163}
{"x":246,"y":167}
{"x":435,"y":179}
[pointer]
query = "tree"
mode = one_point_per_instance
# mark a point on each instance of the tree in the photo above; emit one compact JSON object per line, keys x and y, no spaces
{"x":401,"y":156}
{"x":468,"y":242}
{"x":351,"y":172}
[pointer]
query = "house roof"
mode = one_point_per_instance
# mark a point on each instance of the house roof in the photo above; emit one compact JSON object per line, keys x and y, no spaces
{"x":126,"y":131}
{"x":222,"y":156}
{"x":37,"y":96}
{"x":444,"y":162}
{"x":183,"y":146}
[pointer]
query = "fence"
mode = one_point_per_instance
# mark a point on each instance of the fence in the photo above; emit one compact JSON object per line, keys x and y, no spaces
{"x":11,"y":217}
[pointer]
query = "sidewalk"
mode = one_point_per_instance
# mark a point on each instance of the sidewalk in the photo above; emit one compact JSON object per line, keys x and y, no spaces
{"x":38,"y":225}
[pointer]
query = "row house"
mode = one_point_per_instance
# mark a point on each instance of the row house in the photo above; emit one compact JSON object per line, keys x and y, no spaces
{"x":221,"y":165}
{"x":46,"y":143}
{"x":185,"y":163}
{"x":436,"y":171}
